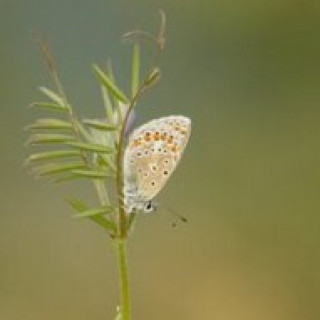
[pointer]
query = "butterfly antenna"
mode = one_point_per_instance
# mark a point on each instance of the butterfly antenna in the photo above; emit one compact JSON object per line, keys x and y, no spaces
{"x":177,"y":215}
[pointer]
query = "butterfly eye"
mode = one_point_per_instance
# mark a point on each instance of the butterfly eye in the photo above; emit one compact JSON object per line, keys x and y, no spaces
{"x":152,"y":183}
{"x":165,"y":172}
{"x":149,"y":207}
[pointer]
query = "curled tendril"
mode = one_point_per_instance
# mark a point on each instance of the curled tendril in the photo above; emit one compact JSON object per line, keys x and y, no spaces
{"x":139,"y":35}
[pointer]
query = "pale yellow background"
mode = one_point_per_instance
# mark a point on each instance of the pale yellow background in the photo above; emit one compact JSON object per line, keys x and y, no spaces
{"x":248,"y":74}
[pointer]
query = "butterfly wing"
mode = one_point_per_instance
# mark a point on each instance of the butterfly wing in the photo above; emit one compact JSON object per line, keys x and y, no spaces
{"x":153,"y":152}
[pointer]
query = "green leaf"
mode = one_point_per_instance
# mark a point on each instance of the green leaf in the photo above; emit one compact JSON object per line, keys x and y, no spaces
{"x":80,"y":207}
{"x":100,"y":125}
{"x":119,"y":314}
{"x":50,"y":155}
{"x":94,"y":211}
{"x":107,"y":160}
{"x":82,"y":130}
{"x":107,"y":104}
{"x":152,"y":77}
{"x":55,"y":124}
{"x":44,"y":138}
{"x":90,"y":147}
{"x":118,"y":114}
{"x":54,"y":168}
{"x":105,"y":223}
{"x":67,"y":177}
{"x":77,"y":205}
{"x":110,"y":85}
{"x":53,"y":96}
{"x":110,"y":71}
{"x":93,"y":174}
{"x":49,"y":105}
{"x":135,"y":69}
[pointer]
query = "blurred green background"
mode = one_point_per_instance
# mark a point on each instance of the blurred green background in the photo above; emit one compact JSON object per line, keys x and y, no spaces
{"x":248,"y":74}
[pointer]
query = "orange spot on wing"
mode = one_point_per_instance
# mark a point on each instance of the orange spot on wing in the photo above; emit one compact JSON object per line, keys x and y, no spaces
{"x":156,"y":136}
{"x":170,"y":139}
{"x":147,"y":136}
{"x":136,"y":143}
{"x":174,"y":148}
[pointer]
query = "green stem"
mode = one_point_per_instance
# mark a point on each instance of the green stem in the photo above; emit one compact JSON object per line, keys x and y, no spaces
{"x":123,"y":277}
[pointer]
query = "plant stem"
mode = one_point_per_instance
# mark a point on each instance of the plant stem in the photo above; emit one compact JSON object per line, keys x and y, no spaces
{"x":123,"y":219}
{"x":123,"y":277}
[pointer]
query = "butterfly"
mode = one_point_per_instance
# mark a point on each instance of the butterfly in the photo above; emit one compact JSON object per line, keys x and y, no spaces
{"x":152,"y":154}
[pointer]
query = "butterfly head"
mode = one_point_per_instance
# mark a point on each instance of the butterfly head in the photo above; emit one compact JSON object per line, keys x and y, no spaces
{"x":134,"y":204}
{"x":149,"y":206}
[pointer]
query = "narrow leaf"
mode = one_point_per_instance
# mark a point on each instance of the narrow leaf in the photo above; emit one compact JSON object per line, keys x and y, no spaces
{"x":50,"y":155}
{"x":110,"y":70}
{"x":100,"y":125}
{"x":110,"y":85}
{"x":77,"y":205}
{"x":105,"y":160}
{"x":153,"y":77}
{"x":45,"y":138}
{"x":105,"y":223}
{"x":67,"y":177}
{"x":53,"y":96}
{"x":55,"y":124}
{"x":135,"y":69}
{"x":82,"y":130}
{"x":90,"y":147}
{"x":107,"y":104}
{"x":119,"y":314}
{"x":94,"y":211}
{"x":49,"y":105}
{"x":93,"y":174}
{"x":117,"y":115}
{"x":53,"y":168}
{"x":80,"y":207}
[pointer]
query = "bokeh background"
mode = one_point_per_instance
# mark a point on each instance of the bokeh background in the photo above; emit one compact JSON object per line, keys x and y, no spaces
{"x":248,"y":74}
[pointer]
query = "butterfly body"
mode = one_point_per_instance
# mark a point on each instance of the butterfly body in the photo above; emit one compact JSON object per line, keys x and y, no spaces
{"x":151,"y":156}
